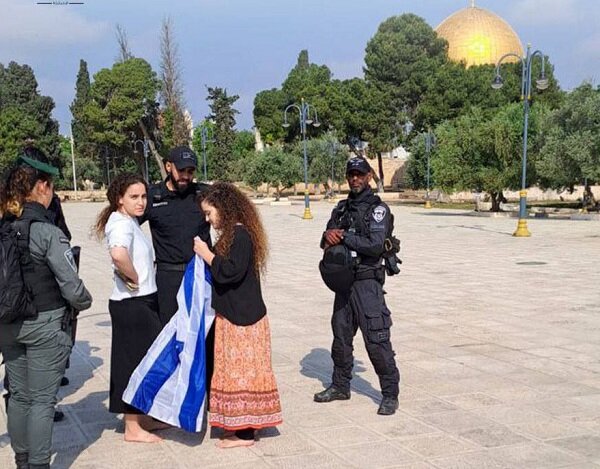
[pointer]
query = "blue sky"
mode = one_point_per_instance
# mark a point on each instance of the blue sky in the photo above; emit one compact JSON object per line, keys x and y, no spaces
{"x":250,"y":45}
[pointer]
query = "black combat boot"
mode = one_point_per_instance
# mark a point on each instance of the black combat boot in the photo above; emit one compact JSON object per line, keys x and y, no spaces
{"x":331,"y":394}
{"x":22,"y":460}
{"x":388,"y":406}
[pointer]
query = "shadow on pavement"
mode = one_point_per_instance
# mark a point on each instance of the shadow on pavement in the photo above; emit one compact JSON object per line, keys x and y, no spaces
{"x":480,"y":228}
{"x":441,"y":214}
{"x":87,"y":417}
{"x":317,"y":364}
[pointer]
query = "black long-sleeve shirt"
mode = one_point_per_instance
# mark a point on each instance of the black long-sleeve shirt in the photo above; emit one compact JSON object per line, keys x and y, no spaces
{"x":236,"y":284}
{"x":175,"y":219}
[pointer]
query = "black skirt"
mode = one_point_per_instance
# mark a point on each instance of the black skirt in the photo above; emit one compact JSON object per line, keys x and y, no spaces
{"x":135,"y":325}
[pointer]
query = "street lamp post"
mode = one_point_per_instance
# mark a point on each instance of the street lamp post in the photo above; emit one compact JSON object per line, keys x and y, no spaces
{"x":304,"y":109}
{"x":333,"y":158}
{"x":541,"y":84}
{"x":204,"y":138}
{"x":145,"y":149}
{"x":72,"y":141}
{"x":429,"y":144}
{"x":107,"y":164}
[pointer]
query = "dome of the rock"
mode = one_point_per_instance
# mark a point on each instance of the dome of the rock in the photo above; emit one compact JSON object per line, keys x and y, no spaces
{"x":477,"y":36}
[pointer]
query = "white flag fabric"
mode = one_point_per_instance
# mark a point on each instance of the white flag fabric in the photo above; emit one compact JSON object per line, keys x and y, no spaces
{"x":170,"y":384}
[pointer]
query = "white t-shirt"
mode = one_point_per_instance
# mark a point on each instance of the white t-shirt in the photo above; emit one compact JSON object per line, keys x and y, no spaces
{"x":124,"y":231}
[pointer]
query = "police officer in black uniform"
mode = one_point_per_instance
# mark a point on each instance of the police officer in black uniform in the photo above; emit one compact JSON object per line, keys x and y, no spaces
{"x":175,"y":219}
{"x":360,"y":223}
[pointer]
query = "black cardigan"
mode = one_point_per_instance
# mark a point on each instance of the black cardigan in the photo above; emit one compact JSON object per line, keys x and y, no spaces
{"x":236,"y":292}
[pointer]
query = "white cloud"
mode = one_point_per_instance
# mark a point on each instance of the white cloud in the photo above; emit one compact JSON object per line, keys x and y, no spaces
{"x":23,"y":25}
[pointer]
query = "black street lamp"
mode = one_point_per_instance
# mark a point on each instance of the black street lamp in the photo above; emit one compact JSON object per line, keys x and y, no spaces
{"x":429,"y":144}
{"x":304,"y":109}
{"x":145,"y":150}
{"x":334,"y":145}
{"x":204,"y":132}
{"x":541,"y":84}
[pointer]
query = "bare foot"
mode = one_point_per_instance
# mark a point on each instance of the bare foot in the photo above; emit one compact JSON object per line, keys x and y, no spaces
{"x":233,"y":442}
{"x":142,"y":436}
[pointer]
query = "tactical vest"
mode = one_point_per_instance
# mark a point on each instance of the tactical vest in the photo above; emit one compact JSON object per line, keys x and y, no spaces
{"x":37,"y":276}
{"x":361,"y":225}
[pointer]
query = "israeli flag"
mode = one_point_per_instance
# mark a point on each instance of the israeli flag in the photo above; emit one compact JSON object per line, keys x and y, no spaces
{"x":170,"y":382}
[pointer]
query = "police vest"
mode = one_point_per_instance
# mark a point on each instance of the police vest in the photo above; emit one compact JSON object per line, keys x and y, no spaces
{"x":37,"y":276}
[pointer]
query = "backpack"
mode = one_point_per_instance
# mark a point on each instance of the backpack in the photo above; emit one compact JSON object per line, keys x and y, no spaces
{"x":15,"y":298}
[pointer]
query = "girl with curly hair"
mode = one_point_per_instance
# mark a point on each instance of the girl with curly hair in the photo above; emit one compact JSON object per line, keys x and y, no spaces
{"x":133,"y":304}
{"x":243,"y":391}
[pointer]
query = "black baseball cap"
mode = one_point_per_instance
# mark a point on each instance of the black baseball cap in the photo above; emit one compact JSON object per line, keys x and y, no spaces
{"x":358,"y":164}
{"x":183,"y":157}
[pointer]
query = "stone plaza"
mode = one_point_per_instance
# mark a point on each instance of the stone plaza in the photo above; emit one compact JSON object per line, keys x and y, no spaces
{"x":497,"y":340}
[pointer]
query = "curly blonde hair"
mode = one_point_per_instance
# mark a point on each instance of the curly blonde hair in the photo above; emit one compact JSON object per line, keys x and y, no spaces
{"x":235,"y":208}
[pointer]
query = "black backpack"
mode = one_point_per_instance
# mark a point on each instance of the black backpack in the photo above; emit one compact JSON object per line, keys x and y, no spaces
{"x":15,"y":298}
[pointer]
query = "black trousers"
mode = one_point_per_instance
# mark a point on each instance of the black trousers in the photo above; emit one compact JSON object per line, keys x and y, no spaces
{"x":135,"y":325}
{"x":363,"y":308}
{"x":167,"y":284}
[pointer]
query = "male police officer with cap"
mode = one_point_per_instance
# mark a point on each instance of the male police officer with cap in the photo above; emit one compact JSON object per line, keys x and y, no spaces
{"x":175,"y":219}
{"x":360,"y":223}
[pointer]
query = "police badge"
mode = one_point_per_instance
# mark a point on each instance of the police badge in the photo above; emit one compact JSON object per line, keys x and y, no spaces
{"x":379,"y":213}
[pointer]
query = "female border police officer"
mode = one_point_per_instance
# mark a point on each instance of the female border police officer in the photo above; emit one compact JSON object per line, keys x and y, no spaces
{"x":36,"y":349}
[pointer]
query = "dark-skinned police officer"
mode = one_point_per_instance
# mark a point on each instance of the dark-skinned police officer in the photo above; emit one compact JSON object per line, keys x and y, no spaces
{"x":356,"y":233}
{"x":175,"y":219}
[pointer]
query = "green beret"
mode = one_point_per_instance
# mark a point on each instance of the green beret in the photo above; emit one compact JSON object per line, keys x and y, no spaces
{"x":43,"y":167}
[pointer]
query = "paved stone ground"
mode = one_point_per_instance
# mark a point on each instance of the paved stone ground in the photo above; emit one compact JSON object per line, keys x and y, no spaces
{"x":497,"y":340}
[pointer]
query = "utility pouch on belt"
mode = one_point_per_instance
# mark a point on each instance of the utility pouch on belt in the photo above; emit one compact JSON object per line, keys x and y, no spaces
{"x":337,"y":268}
{"x":392,"y":261}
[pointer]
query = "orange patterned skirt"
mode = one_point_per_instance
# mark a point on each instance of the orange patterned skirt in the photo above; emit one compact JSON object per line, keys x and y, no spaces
{"x":243,"y":391}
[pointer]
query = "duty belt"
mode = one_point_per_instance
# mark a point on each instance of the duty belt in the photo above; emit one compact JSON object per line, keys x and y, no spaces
{"x":167,"y":266}
{"x":376,"y":273}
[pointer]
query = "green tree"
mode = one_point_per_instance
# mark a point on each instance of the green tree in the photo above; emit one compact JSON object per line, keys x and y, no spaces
{"x":243,"y":146}
{"x":275,"y":167}
{"x":204,"y":149}
{"x":327,"y":157}
{"x":223,"y":115}
{"x":268,"y":114}
{"x":480,"y":152}
{"x":307,"y":81}
{"x":25,"y":115}
{"x":571,"y":142}
{"x":123,"y":109}
{"x":86,"y":152}
{"x":401,"y":57}
{"x":454,"y":89}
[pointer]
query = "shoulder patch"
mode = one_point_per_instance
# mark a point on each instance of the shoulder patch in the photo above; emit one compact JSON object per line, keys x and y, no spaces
{"x":70,"y":259}
{"x":379,"y":213}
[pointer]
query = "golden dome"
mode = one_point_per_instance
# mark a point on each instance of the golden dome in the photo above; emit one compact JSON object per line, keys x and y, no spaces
{"x":478,"y":36}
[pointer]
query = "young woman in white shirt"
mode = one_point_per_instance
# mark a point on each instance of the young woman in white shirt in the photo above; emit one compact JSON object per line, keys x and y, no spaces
{"x":133,"y":304}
